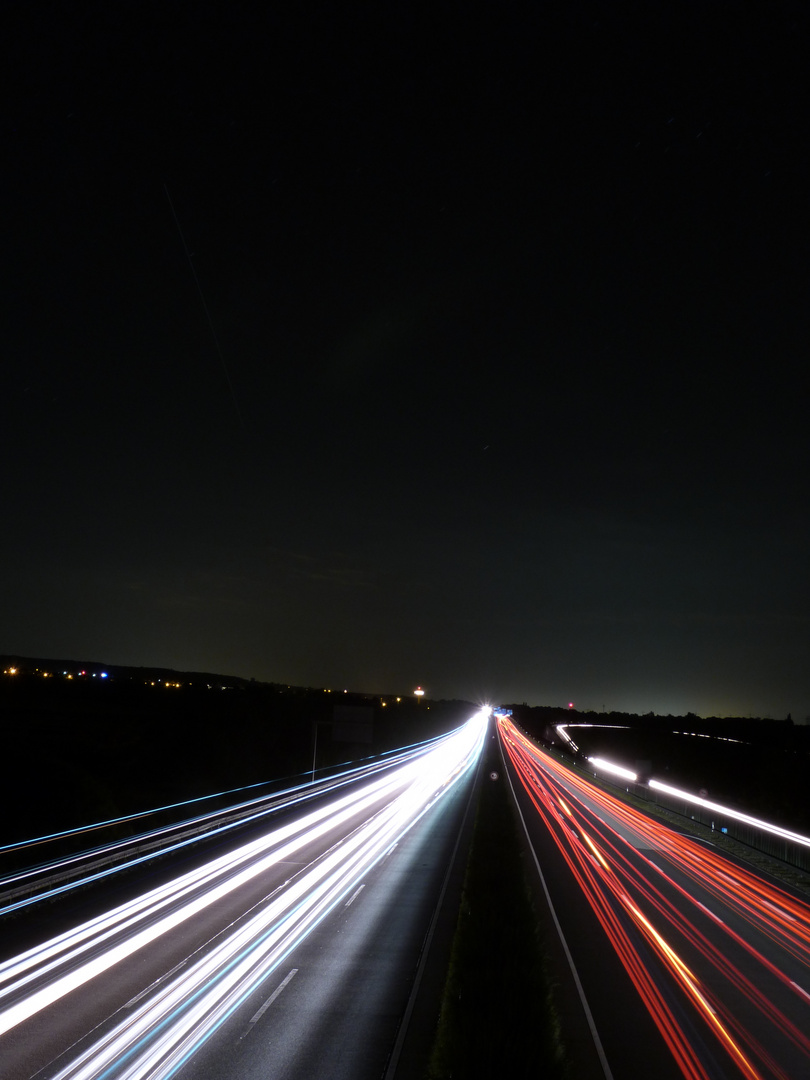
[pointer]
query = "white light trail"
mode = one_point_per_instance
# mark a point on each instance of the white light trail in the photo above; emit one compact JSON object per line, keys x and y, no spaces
{"x":171,"y":1022}
{"x":687,"y":796}
{"x":210,"y":822}
{"x":618,"y":770}
{"x":734,"y":815}
{"x":64,"y":951}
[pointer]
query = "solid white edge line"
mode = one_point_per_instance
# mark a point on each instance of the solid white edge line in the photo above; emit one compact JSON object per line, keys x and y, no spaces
{"x":586,"y":1007}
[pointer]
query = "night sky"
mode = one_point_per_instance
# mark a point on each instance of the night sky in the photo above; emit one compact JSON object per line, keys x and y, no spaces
{"x":367,"y":345}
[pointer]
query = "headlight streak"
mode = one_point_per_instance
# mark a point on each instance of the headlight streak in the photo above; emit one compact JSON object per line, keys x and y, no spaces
{"x":162,"y":1030}
{"x":599,"y":858}
{"x":688,"y":796}
{"x":736,"y":815}
{"x":216,"y":883}
{"x":281,"y":800}
{"x":65,"y":949}
{"x":617,"y":770}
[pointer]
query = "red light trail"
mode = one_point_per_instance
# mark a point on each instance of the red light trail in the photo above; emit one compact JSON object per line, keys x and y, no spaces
{"x":708,"y":944}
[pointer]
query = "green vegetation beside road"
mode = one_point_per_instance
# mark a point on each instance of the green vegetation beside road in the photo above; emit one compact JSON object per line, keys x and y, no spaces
{"x":498,"y":1015}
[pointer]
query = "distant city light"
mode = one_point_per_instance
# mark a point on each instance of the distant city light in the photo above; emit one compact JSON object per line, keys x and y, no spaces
{"x":419,"y":691}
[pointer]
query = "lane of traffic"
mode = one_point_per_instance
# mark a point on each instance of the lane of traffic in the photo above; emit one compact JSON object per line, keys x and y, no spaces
{"x":718,"y":954}
{"x":336,"y":843}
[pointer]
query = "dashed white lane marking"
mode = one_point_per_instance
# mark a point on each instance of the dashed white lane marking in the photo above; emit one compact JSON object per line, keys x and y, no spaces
{"x":258,"y":1015}
{"x":354,"y":896}
{"x":151,"y":986}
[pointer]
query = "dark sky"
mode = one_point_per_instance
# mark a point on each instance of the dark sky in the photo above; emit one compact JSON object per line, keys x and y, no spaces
{"x":505,"y":393}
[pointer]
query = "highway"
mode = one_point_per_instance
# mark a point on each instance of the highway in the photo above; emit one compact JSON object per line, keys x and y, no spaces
{"x":171,"y":977}
{"x":687,"y":963}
